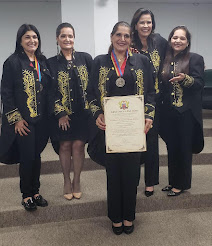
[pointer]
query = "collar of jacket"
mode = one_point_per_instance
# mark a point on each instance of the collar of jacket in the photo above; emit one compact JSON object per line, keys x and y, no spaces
{"x":62,"y":59}
{"x":24,"y":59}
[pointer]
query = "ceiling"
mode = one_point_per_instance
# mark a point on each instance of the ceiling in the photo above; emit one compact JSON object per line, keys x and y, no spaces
{"x":165,"y":1}
{"x":123,"y":1}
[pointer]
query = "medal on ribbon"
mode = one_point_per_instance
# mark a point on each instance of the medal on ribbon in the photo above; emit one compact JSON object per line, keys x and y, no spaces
{"x":120,"y":82}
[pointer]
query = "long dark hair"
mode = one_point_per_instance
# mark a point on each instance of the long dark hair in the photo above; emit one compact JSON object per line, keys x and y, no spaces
{"x":183,"y":62}
{"x":115,"y":28}
{"x":21,"y":31}
{"x":136,"y":43}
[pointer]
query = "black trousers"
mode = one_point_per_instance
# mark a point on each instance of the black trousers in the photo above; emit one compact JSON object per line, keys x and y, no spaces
{"x":30,"y":147}
{"x":122,"y":180}
{"x":151,"y":167}
{"x":179,"y":144}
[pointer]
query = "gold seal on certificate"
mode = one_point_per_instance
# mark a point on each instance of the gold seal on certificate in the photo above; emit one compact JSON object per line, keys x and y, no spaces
{"x":124,"y":119}
{"x":120,"y":82}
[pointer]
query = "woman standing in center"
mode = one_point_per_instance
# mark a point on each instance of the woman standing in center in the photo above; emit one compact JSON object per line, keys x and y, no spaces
{"x":152,"y":45}
{"x":136,"y":78}
{"x":70,"y":71}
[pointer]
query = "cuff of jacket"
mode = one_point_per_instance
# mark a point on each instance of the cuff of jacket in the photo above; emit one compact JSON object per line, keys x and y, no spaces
{"x":59,"y":110}
{"x":13,"y":116}
{"x":95,"y":109}
{"x":188,"y":81}
{"x":149,"y":111}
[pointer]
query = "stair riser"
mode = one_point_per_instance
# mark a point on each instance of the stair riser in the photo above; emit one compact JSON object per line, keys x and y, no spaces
{"x":95,"y":209}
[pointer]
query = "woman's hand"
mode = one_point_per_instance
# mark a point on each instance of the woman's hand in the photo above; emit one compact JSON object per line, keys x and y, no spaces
{"x":100,"y":122}
{"x":64,"y":123}
{"x":21,"y":128}
{"x":179,"y":77}
{"x":148,"y":125}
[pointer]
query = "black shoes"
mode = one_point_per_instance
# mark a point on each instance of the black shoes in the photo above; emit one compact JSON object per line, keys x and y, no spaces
{"x":148,"y":193}
{"x":174,"y":193}
{"x":167,"y":188}
{"x":118,"y":230}
{"x":40,"y":201}
{"x":129,"y":229}
{"x":126,"y":229}
{"x":29,"y":205}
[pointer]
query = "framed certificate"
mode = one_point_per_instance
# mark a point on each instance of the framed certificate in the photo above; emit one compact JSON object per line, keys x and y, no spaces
{"x":124,"y":119}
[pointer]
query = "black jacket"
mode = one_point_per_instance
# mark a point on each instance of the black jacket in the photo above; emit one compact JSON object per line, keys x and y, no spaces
{"x":103,"y":69}
{"x":156,"y":53}
{"x":60,"y":72}
{"x":187,"y":94}
{"x":102,"y":72}
{"x":23,"y":97}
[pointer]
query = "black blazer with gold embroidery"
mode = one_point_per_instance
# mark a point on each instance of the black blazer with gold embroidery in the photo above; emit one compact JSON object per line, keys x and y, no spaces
{"x":186,"y":94}
{"x":23,"y":95}
{"x":60,"y":72}
{"x":101,"y":74}
{"x":156,"y":53}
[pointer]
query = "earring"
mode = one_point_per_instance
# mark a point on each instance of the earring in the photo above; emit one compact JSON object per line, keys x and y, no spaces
{"x":58,"y":49}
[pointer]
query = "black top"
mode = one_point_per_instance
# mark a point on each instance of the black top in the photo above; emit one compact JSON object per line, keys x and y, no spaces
{"x":187,"y":94}
{"x":23,"y":97}
{"x":70,"y":82}
{"x":156,"y":54}
{"x":138,"y":72}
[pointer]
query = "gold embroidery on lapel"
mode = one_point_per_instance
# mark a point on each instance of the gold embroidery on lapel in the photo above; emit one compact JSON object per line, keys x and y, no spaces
{"x":83,"y":74}
{"x":103,"y":72}
{"x":177,"y":94}
{"x":139,"y":81}
{"x":154,"y":55}
{"x":63,"y":84}
{"x":29,"y":88}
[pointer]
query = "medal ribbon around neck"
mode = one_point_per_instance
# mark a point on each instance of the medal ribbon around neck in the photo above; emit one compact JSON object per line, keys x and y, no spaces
{"x":119,"y":70}
{"x":37,"y":66}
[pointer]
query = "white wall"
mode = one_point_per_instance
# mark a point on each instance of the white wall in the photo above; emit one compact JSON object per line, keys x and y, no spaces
{"x":197,"y":17}
{"x":46,"y":16}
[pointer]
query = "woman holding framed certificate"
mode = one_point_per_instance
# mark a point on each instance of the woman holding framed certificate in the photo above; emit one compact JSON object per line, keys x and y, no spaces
{"x":120,"y":73}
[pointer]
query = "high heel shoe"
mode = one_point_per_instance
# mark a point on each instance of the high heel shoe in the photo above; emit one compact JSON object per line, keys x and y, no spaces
{"x":77,"y":195}
{"x":148,"y":193}
{"x":118,"y":229}
{"x":129,"y":229}
{"x":68,"y":196}
{"x":174,"y":193}
{"x":167,"y":188}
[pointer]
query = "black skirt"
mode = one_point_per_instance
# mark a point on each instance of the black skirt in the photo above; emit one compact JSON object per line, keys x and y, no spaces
{"x":78,"y":130}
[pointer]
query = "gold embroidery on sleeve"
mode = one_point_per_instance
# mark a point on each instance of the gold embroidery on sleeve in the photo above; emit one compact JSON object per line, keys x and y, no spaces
{"x":150,"y":110}
{"x":188,"y":81}
{"x":29,"y":88}
{"x":58,"y":108}
{"x":94,"y":108}
{"x":13,"y":116}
